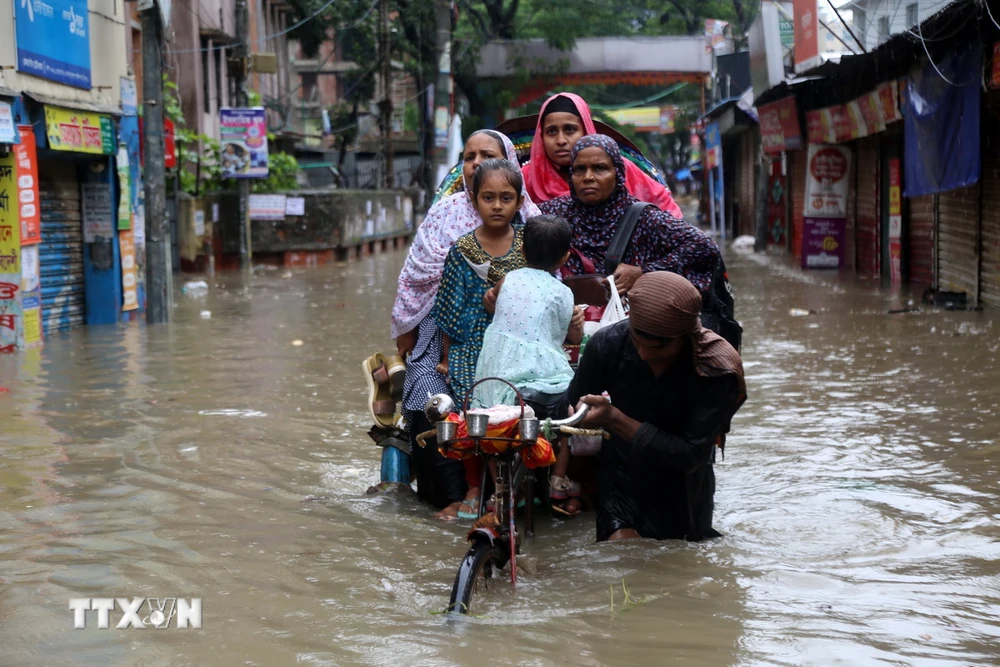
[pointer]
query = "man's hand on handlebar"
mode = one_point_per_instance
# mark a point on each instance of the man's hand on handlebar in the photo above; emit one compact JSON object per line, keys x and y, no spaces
{"x":601,"y":412}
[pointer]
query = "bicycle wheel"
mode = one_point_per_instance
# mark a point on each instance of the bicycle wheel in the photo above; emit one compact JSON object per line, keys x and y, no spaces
{"x":473,"y":575}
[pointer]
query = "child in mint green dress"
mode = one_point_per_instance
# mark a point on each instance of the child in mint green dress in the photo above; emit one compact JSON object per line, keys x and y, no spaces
{"x":534,"y":316}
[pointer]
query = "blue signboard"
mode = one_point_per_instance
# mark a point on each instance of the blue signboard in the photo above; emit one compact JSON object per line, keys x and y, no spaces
{"x":53,"y":40}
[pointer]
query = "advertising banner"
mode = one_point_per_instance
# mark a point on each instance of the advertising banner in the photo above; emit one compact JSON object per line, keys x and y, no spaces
{"x":823,"y":241}
{"x":10,"y":257}
{"x":79,"y":131}
{"x":27,"y":187}
{"x":130,"y":295}
{"x":806,"y":35}
{"x":53,"y":40}
{"x":779,"y":126}
{"x":895,"y":222}
{"x":124,"y":190}
{"x":31,"y":298}
{"x":244,"y":142}
{"x":827,"y":181}
{"x":713,"y":146}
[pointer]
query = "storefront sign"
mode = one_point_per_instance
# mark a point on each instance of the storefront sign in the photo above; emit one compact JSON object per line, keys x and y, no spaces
{"x":888,"y":95}
{"x":10,"y":256}
{"x":130,"y":295}
{"x":779,"y":126}
{"x":27,"y":187}
{"x":713,"y":146}
{"x":267,"y":207}
{"x":244,"y":142}
{"x":8,"y":131}
{"x":806,"y":35}
{"x":79,"y":131}
{"x":823,"y":243}
{"x":97,"y":212}
{"x":53,"y":40}
{"x":827,"y":182}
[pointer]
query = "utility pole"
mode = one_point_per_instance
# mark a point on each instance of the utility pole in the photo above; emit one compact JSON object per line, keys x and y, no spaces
{"x":158,"y":261}
{"x":443,"y":87}
{"x":240,"y":62}
{"x":386,"y":104}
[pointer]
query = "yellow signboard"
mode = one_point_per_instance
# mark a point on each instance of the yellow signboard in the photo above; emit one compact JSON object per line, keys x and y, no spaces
{"x":79,"y":131}
{"x":647,"y":119}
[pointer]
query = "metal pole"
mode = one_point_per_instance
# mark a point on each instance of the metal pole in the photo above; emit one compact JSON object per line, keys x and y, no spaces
{"x":711,"y":198}
{"x":158,"y":262}
{"x":241,"y":55}
{"x":443,"y":86}
{"x":722,"y":202}
{"x":390,"y":176}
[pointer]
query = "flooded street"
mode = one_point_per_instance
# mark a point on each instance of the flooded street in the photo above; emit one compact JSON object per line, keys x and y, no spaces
{"x":858,"y":497}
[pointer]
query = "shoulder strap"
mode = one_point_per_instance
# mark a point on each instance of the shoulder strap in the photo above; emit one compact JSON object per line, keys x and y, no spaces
{"x":623,"y":235}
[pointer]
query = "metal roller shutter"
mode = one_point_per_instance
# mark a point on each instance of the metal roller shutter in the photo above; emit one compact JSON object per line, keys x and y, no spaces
{"x":61,"y":250}
{"x":800,"y":163}
{"x":958,"y":242}
{"x":920,"y":241}
{"x":868,"y":213}
{"x":989,"y":265}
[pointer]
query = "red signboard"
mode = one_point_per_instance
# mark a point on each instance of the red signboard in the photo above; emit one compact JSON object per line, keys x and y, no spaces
{"x":779,"y":126}
{"x":806,"y":35}
{"x":27,"y":187}
{"x":995,"y":71}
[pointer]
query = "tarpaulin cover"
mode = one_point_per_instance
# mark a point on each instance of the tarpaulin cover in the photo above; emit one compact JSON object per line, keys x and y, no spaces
{"x":942,"y":123}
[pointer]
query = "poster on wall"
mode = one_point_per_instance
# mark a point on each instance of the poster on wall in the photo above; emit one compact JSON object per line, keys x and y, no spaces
{"x":97,"y":213}
{"x":823,"y":242}
{"x":895,"y":222}
{"x":713,"y":146}
{"x":268,"y":207}
{"x":53,"y":40}
{"x":31,"y":298}
{"x":244,"y":142}
{"x":10,"y":256}
{"x":27,"y":187}
{"x":130,"y":295}
{"x":827,"y":181}
{"x":8,"y":131}
{"x":124,"y":190}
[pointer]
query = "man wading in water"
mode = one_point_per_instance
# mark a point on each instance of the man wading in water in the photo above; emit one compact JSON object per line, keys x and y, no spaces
{"x":674,"y":386}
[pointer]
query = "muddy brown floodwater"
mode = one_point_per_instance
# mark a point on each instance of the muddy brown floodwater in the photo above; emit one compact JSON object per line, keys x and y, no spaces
{"x":858,"y":497}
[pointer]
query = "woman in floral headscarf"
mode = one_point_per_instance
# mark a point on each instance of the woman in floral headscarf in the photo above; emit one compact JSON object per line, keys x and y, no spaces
{"x":599,"y":197}
{"x":440,"y":481}
{"x":563,"y":120}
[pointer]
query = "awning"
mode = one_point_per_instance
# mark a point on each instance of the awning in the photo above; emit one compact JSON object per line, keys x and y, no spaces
{"x":7,"y":92}
{"x":74,"y":104}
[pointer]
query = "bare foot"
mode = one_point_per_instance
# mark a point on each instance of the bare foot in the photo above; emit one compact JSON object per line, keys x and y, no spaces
{"x":624,"y":534}
{"x":449,"y":513}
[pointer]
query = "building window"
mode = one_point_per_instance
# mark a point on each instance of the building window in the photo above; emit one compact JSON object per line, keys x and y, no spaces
{"x":861,"y":24}
{"x":883,"y":29}
{"x":911,"y":14}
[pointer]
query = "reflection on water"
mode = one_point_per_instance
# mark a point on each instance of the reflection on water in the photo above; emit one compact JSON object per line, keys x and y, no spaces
{"x":857,"y":497}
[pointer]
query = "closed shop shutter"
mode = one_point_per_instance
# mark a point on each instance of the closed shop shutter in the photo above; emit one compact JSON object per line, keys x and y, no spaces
{"x":958,"y":242}
{"x":799,"y":161}
{"x":920,"y":241}
{"x":868,"y":214}
{"x":61,"y":250}
{"x":989,"y":265}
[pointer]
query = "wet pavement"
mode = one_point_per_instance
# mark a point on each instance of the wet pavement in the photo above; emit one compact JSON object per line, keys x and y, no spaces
{"x":858,"y":497}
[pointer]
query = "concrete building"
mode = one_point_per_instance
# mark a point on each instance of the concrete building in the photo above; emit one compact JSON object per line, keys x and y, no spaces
{"x":875,"y":21}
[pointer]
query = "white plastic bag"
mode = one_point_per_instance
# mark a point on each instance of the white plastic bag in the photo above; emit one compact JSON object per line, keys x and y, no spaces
{"x":614,"y":312}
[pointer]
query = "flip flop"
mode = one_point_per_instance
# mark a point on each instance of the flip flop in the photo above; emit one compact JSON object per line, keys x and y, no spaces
{"x":560,"y":509}
{"x":469,"y":515}
{"x":396,"y":370}
{"x":380,"y":402}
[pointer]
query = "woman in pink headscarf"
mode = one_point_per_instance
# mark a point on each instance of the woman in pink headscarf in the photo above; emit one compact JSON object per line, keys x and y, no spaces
{"x":564,"y":119}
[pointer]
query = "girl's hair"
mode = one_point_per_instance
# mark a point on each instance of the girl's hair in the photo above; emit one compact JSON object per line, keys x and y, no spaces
{"x":546,"y":240}
{"x":493,"y":135}
{"x":509,"y":170}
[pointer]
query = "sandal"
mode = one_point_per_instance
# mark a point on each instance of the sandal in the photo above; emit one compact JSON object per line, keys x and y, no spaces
{"x":396,"y":370}
{"x":381,"y":404}
{"x":469,"y":502}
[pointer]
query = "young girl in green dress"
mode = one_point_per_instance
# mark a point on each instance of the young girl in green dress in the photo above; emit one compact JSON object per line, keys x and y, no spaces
{"x":477,"y":262}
